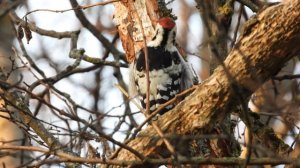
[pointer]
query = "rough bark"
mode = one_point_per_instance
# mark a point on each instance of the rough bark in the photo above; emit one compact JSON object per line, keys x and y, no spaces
{"x":216,"y":17}
{"x":135,"y":20}
{"x":264,"y":47}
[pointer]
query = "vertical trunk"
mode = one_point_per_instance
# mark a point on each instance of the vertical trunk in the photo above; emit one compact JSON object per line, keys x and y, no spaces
{"x":10,"y":133}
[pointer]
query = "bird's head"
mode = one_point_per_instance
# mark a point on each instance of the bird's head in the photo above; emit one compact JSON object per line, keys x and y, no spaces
{"x":167,"y":23}
{"x":165,"y":33}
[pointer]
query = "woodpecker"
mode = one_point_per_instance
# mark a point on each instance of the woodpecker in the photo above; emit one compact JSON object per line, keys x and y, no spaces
{"x":169,"y":73}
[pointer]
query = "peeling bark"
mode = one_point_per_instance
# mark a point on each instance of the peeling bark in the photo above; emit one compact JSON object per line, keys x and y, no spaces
{"x":264,"y":47}
{"x":128,"y":16}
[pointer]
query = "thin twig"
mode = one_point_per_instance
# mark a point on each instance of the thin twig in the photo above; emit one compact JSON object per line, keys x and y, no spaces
{"x":87,"y":24}
{"x":158,"y":130}
{"x":250,"y":5}
{"x":286,"y":77}
{"x":75,"y":8}
{"x":66,"y":34}
{"x":64,"y":157}
{"x":237,"y":25}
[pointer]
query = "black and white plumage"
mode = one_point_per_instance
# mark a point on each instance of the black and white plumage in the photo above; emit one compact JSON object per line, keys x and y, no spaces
{"x":169,"y":73}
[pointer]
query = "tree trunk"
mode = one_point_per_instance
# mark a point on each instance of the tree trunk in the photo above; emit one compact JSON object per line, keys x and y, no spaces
{"x":10,"y":133}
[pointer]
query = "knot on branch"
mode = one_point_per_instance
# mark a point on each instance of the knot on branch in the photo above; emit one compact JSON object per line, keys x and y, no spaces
{"x":76,"y":53}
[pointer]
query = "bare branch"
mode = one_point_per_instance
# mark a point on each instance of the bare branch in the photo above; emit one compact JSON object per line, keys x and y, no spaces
{"x":80,"y":15}
{"x":64,"y":157}
{"x":34,"y":28}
